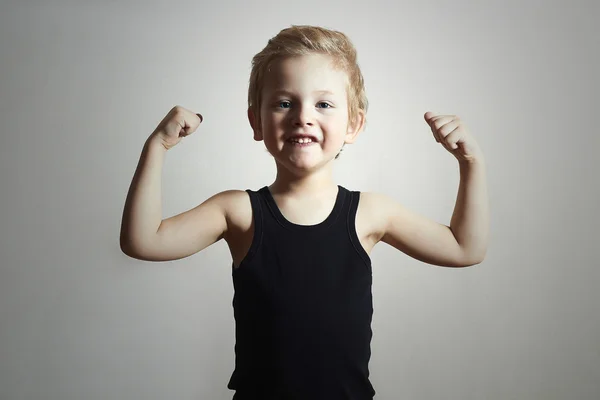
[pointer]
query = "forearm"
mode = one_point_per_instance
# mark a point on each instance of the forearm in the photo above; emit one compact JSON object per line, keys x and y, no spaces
{"x":470,"y":220}
{"x":142,"y":214}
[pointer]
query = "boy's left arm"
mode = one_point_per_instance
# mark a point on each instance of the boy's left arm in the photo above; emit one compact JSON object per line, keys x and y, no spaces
{"x":465,"y":241}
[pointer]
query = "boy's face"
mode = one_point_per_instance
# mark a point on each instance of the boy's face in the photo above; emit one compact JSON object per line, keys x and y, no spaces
{"x":305,"y":95}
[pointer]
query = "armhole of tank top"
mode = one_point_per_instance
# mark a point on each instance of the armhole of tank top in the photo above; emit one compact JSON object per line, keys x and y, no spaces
{"x":258,"y":228}
{"x":354,"y":200}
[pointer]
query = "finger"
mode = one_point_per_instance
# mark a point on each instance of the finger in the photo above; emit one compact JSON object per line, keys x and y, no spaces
{"x":445,"y":129}
{"x":436,"y":135}
{"x":430,"y":118}
{"x":453,"y":138}
{"x":439,"y":121}
{"x":445,"y":126}
{"x":428,"y":115}
{"x":177,"y":124}
{"x":191,"y":125}
{"x":435,"y":123}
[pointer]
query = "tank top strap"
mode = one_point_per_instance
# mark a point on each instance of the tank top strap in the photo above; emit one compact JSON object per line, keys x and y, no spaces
{"x":352,"y":209}
{"x":257,"y":218}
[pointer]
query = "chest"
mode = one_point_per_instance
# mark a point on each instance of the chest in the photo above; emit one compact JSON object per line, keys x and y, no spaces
{"x":241,"y":224}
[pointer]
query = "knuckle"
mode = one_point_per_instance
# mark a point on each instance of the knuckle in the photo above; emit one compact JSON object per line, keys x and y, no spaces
{"x":178,"y":110}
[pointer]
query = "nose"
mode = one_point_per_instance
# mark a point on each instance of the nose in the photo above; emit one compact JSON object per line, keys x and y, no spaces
{"x":302,"y":115}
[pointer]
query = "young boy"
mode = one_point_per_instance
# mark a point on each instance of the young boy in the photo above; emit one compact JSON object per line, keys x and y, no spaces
{"x":300,"y":247}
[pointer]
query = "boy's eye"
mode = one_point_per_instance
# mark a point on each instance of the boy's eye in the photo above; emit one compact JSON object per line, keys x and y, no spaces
{"x":287,"y":103}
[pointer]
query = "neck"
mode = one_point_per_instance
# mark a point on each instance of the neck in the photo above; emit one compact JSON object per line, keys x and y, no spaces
{"x":313,"y":184}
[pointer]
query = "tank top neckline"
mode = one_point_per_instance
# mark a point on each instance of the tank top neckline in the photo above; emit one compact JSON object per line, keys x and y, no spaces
{"x":327,"y":222}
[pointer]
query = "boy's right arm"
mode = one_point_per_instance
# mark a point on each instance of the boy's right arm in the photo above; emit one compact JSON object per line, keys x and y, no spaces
{"x":144,"y":235}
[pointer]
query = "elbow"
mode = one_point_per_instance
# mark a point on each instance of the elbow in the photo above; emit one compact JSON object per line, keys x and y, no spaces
{"x":125,"y":245}
{"x":128,"y":248}
{"x":471,"y":264}
{"x":473,"y":260}
{"x":127,"y":251}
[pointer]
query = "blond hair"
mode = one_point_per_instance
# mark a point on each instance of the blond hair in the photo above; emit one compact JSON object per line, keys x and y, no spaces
{"x":301,"y":40}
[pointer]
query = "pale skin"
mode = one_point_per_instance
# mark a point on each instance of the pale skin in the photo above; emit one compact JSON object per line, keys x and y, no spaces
{"x":313,"y":101}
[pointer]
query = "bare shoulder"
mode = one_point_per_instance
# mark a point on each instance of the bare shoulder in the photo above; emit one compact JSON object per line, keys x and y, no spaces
{"x":371,"y":219}
{"x":238,"y":210}
{"x":384,"y":211}
{"x":240,"y":224}
{"x":389,"y":218}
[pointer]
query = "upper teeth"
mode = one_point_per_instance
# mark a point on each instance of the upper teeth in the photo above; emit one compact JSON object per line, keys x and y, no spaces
{"x":301,"y":140}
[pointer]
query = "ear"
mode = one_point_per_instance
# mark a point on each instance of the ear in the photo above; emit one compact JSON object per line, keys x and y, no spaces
{"x":253,"y":123}
{"x":355,"y":127}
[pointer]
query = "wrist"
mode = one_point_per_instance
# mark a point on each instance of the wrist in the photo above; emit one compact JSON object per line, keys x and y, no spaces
{"x":155,"y":144}
{"x":472,"y":161}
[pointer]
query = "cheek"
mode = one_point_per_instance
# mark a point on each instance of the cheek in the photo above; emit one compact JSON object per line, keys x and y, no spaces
{"x":268,"y":117}
{"x":274,"y":122}
{"x":268,"y":124}
{"x":338,"y":124}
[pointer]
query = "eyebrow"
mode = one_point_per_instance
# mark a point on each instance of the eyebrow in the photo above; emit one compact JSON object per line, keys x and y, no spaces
{"x":283,"y":91}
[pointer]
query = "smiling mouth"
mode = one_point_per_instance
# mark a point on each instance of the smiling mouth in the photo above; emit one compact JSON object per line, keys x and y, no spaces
{"x":301,"y":140}
{"x":297,"y":144}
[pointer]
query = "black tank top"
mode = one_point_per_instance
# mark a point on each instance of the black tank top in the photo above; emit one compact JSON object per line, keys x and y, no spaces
{"x":303,"y":307}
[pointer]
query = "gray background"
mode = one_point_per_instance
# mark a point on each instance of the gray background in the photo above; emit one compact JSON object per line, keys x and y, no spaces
{"x":84,"y":83}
